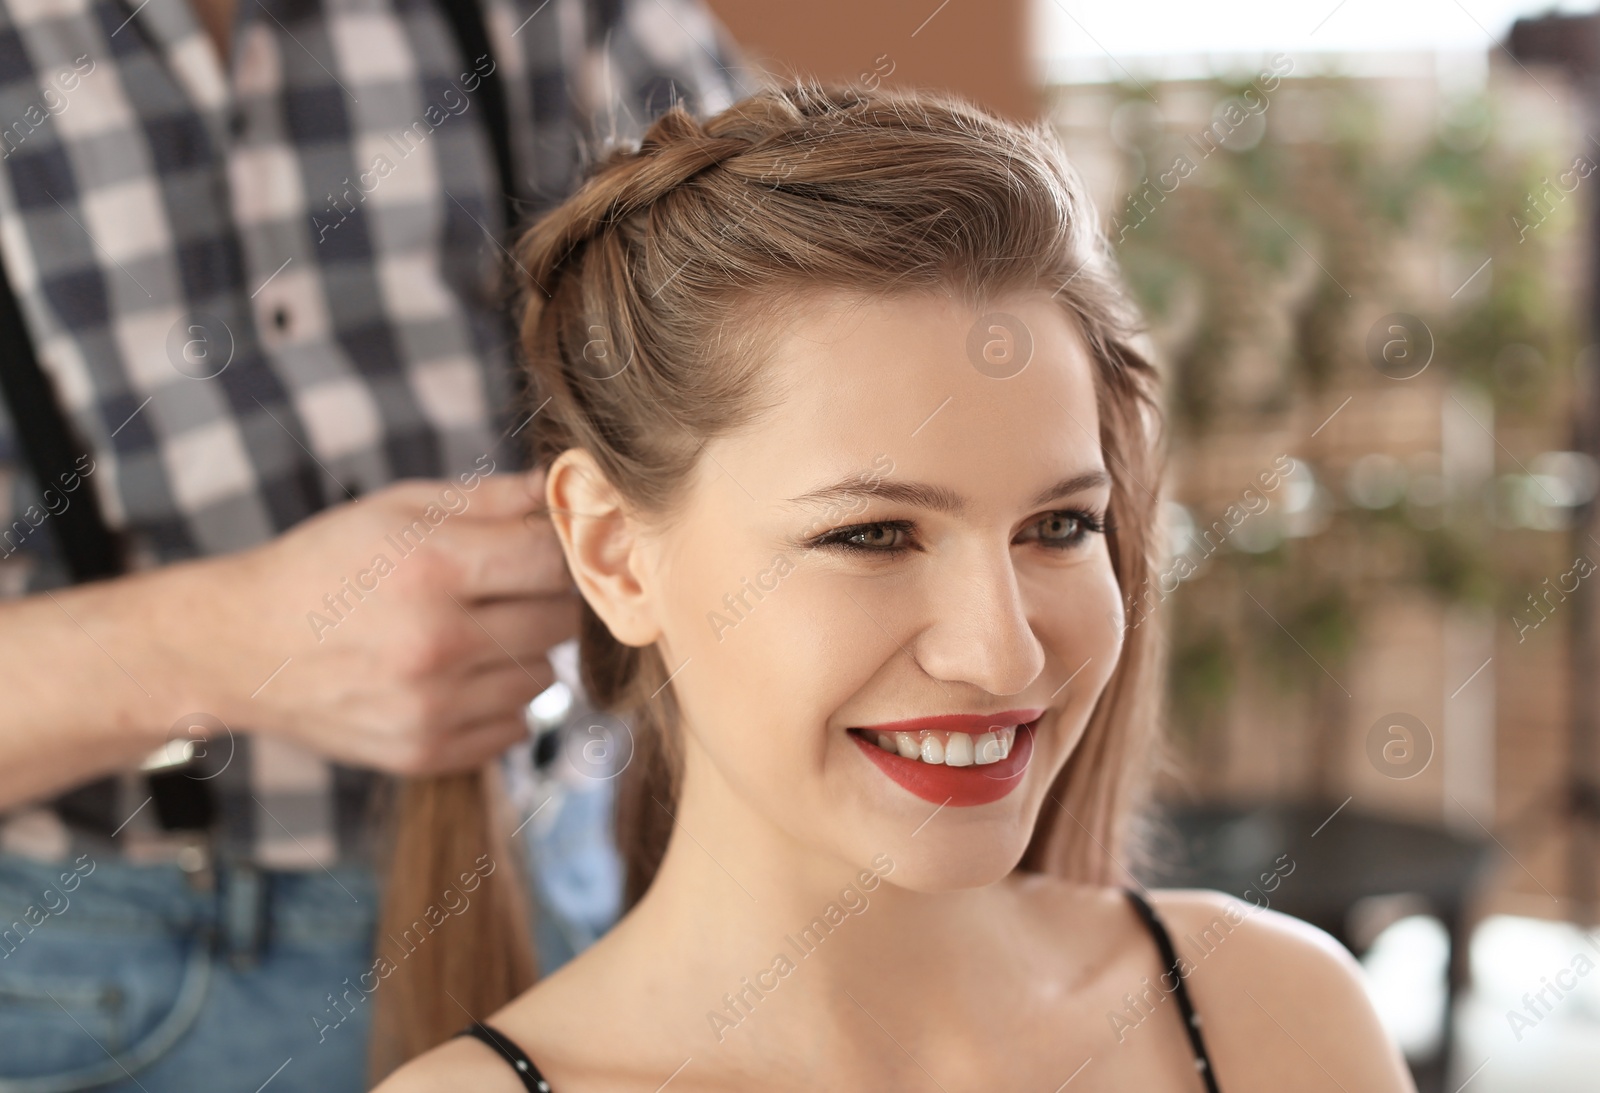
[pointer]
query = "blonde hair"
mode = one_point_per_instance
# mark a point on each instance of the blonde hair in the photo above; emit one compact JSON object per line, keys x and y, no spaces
{"x":653,"y":295}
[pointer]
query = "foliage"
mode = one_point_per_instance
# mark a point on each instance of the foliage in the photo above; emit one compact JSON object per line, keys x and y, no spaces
{"x":1260,"y":274}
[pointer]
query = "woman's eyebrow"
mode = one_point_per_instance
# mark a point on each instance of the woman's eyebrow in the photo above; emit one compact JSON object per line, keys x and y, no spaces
{"x":938,"y":498}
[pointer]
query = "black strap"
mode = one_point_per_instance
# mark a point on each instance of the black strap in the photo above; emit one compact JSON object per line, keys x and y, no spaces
{"x":91,"y":548}
{"x":600,"y":17}
{"x":92,"y":551}
{"x":1191,"y":1019}
{"x":472,"y":39}
{"x":511,"y":1053}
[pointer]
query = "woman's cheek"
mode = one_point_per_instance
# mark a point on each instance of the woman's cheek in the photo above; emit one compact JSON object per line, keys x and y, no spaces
{"x":757,"y":673}
{"x":1086,"y":624}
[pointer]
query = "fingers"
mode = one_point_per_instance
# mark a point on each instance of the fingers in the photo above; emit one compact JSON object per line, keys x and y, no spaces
{"x":499,"y":691}
{"x":492,"y":496}
{"x":485,"y":717}
{"x":478,"y":744}
{"x":498,"y":632}
{"x":498,"y":496}
{"x":503,"y":557}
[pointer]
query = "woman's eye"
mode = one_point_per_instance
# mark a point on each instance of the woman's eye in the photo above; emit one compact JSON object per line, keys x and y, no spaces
{"x":1069,"y":528}
{"x":1062,"y":530}
{"x":870,"y":538}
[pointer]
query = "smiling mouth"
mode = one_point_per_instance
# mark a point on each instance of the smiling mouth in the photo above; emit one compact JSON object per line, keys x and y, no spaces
{"x":988,"y":763}
{"x":949,"y":747}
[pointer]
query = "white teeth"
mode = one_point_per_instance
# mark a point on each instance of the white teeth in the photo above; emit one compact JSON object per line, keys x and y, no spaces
{"x":987,"y":749}
{"x":958,"y":750}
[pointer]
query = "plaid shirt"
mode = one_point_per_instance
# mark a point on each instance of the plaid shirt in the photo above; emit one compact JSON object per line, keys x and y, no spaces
{"x":263,"y":288}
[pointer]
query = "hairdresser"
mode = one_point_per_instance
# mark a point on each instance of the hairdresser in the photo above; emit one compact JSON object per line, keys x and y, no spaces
{"x":267,"y":547}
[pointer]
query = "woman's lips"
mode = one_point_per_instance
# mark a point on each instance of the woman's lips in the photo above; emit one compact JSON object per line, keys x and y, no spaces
{"x":974,"y":784}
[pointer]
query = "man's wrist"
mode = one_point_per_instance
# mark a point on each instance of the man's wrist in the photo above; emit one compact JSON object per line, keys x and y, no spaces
{"x":172,"y":624}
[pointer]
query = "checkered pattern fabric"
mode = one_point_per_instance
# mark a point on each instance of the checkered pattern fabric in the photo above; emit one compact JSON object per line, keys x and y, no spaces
{"x":264,"y":286}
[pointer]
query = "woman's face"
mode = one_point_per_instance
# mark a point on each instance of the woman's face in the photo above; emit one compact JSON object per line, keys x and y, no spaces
{"x":912,"y":535}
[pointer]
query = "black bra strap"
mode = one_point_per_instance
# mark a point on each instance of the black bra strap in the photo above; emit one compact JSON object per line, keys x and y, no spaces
{"x":1191,"y":1019}
{"x":511,"y":1053}
{"x":536,"y":1082}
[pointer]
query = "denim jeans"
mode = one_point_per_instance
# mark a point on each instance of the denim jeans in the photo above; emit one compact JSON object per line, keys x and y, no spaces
{"x":135,"y":980}
{"x":132,"y":980}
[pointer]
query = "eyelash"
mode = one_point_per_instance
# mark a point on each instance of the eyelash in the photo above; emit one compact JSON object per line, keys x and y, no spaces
{"x":1089,"y":523}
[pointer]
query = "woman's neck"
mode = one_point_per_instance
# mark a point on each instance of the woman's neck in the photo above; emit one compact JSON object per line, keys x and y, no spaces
{"x":750,"y":933}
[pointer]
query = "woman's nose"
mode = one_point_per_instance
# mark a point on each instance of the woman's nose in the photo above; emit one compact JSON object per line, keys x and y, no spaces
{"x":976,"y":629}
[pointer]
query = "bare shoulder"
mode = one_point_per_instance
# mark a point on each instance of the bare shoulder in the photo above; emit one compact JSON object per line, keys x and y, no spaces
{"x":556,"y":1023}
{"x":460,"y":1063}
{"x":565,"y":1023}
{"x":1205,"y":918}
{"x":1283,"y":1002}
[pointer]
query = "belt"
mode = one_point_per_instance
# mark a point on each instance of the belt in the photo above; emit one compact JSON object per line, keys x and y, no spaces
{"x":183,"y":800}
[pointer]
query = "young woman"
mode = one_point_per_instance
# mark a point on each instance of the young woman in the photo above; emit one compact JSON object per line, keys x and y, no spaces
{"x":856,"y":465}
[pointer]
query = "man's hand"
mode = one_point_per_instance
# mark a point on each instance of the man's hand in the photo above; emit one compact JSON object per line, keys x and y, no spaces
{"x":407,"y":630}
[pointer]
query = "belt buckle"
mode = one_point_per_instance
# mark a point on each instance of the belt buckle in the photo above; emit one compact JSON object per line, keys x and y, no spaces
{"x":196,"y":859}
{"x":190,"y":850}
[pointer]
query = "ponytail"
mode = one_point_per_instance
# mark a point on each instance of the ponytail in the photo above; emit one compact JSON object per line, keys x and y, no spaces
{"x":455,"y":926}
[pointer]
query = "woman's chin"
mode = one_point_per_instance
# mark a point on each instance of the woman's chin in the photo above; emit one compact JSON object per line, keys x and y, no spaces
{"x":950,"y":864}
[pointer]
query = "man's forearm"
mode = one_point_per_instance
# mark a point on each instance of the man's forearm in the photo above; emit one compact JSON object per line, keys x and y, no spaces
{"x":429,"y":671}
{"x":93,"y":677}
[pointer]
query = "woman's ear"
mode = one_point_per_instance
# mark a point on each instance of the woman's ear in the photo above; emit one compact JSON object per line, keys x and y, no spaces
{"x":602,"y":545}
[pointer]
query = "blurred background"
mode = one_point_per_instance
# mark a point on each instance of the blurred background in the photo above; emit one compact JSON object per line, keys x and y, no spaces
{"x":1363,"y":236}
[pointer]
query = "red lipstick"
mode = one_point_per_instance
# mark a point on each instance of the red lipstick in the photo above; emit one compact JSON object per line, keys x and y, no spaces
{"x":961,"y":786}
